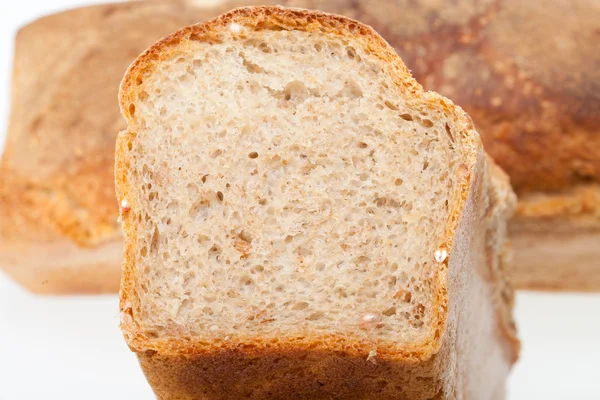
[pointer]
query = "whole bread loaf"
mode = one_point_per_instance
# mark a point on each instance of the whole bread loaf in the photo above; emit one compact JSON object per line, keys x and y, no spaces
{"x":58,"y":217}
{"x":303,"y":221}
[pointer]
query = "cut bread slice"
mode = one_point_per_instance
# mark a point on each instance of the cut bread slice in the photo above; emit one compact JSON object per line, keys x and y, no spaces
{"x":302,"y":220}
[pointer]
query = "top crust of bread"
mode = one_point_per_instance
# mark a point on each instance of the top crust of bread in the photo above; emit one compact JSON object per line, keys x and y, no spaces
{"x":259,"y":18}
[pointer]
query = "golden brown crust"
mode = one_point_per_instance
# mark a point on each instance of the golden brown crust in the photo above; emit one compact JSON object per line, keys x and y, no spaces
{"x":279,"y":374}
{"x":190,"y":368}
{"x":56,"y":175}
{"x":579,"y":205}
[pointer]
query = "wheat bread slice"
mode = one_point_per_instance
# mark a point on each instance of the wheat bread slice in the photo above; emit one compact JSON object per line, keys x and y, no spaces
{"x":302,"y":220}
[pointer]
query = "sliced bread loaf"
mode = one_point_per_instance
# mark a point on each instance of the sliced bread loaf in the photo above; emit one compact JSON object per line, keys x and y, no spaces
{"x":302,"y":220}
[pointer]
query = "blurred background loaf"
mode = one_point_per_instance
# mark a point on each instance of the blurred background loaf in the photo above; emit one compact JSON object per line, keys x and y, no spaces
{"x":526,"y":72}
{"x":58,"y":213}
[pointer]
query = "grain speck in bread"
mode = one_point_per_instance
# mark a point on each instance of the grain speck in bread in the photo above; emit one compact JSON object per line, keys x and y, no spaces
{"x":58,"y":219}
{"x":305,"y":221}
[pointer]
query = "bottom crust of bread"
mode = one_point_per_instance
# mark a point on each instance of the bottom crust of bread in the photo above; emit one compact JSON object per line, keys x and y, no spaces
{"x":561,"y":260}
{"x":299,"y":374}
{"x":63,"y":267}
{"x":274,"y":375}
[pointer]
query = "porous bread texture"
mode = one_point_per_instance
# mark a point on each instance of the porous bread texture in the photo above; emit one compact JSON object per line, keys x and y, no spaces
{"x":283,"y":183}
{"x":239,"y":168}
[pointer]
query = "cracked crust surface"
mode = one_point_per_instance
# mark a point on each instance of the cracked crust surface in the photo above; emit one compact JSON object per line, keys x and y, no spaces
{"x":446,"y":367}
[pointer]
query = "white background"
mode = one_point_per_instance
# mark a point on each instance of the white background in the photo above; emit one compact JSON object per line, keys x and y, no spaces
{"x":71,"y":348}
